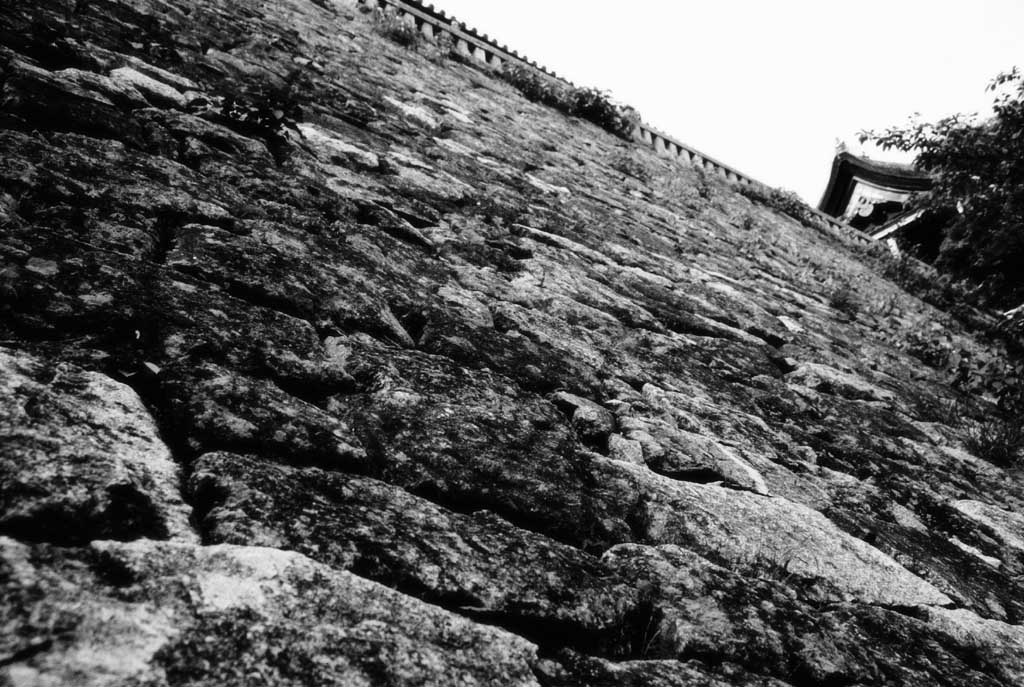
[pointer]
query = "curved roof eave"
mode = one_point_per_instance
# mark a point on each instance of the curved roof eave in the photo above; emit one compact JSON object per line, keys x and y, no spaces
{"x":846,"y":167}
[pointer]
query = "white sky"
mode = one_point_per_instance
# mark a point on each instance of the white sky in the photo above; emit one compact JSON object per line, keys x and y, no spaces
{"x":768,"y":86}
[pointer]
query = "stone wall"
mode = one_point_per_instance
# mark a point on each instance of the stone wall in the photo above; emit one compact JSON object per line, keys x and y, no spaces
{"x":436,"y":23}
{"x":327,"y":361}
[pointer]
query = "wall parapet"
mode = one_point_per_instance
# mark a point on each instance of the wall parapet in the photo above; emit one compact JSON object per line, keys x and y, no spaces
{"x":433,"y":23}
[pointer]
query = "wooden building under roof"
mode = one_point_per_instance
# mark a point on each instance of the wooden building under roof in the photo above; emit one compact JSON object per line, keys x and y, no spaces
{"x":874,"y":197}
{"x":870,"y":195}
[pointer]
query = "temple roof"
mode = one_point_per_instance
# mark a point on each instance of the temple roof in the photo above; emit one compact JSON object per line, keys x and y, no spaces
{"x":847,"y":168}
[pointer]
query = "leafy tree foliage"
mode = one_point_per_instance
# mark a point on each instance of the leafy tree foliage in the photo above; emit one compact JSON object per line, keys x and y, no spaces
{"x":978,"y":194}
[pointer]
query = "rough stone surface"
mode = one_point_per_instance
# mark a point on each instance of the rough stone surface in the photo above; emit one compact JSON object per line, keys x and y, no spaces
{"x":591,"y":421}
{"x":479,"y":563}
{"x":156,"y":92}
{"x":750,"y":532}
{"x":769,"y":619}
{"x":1006,"y":527}
{"x":81,"y":458}
{"x":457,"y":389}
{"x":151,"y":613}
{"x":626,"y":450}
{"x":998,"y":646}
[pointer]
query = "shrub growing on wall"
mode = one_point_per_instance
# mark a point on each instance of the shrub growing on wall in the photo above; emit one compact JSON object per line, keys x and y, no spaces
{"x":398,"y":29}
{"x":591,"y":104}
{"x":264,"y":113}
{"x":536,"y":87}
{"x":782,"y":200}
{"x":598,"y":107}
{"x":978,"y":170}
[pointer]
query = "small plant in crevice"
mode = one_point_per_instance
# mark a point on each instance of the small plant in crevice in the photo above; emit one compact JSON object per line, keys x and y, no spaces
{"x":499,"y":212}
{"x":441,"y":48}
{"x":992,"y":432}
{"x":997,"y":438}
{"x":958,"y":299}
{"x":746,"y":222}
{"x":945,"y":411}
{"x":269,"y":117}
{"x":988,"y":409}
{"x":705,"y":189}
{"x":265,"y":113}
{"x":924,"y":281}
{"x":934,"y":351}
{"x":641,"y":632}
{"x":844,"y":299}
{"x":883,"y":305}
{"x":628,"y":164}
{"x":501,"y":255}
{"x":397,"y":29}
{"x":756,"y":246}
{"x":796,"y":565}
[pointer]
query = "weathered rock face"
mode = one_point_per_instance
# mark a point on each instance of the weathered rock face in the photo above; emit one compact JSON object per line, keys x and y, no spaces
{"x":83,"y":459}
{"x":478,"y":563}
{"x":160,"y":614}
{"x":438,"y":386}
